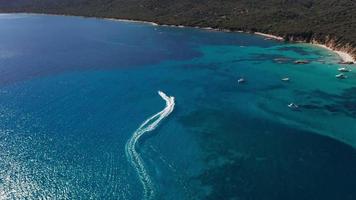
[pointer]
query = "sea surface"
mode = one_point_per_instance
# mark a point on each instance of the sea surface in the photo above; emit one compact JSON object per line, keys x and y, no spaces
{"x":103,"y":109}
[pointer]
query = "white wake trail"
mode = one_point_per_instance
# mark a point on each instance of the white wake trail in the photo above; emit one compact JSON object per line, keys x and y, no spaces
{"x":131,"y":145}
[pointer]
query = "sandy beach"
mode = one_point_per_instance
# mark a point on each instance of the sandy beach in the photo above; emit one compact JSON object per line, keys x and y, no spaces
{"x":343,"y":55}
{"x":270,"y":36}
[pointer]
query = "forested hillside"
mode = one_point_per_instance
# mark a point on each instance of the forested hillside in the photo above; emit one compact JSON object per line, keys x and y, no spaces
{"x":331,"y":22}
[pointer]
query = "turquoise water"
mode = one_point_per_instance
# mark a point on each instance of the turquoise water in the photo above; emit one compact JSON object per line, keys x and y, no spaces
{"x":75,"y":94}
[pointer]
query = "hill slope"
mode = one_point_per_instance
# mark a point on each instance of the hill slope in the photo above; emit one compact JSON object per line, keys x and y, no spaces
{"x":330,"y":22}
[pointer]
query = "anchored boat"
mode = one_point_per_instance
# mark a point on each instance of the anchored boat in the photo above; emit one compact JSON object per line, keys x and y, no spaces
{"x":344,"y":69}
{"x":341,"y":76}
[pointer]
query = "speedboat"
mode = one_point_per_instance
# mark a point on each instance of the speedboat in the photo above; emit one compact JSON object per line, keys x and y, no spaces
{"x":293,"y":106}
{"x":341,"y":76}
{"x":344,"y":69}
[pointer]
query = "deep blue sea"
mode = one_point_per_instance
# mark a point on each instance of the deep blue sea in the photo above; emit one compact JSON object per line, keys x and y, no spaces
{"x":81,"y":116}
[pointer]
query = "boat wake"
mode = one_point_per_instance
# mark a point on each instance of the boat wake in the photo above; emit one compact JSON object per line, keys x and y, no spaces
{"x":131,"y":146}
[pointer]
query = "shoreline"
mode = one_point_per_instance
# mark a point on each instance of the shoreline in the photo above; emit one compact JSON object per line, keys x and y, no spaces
{"x":270,"y":36}
{"x":344,"y":56}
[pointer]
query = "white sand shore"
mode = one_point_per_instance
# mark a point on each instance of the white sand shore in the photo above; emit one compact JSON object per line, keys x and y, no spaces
{"x":129,"y":20}
{"x":270,"y":36}
{"x":343,"y":55}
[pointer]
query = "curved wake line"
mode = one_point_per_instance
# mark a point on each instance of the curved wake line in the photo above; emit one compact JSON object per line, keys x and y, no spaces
{"x":134,"y":157}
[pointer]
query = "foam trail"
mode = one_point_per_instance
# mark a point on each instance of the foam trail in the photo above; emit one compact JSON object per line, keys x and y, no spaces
{"x":134,"y":157}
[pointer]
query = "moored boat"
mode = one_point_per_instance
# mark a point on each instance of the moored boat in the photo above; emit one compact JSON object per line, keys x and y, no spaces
{"x":286,"y":79}
{"x":341,"y":76}
{"x":301,"y":62}
{"x":241,"y":80}
{"x":293,"y":106}
{"x":343,"y":69}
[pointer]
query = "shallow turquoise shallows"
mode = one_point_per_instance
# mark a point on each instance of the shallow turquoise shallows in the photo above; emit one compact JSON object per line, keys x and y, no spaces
{"x":81,"y":115}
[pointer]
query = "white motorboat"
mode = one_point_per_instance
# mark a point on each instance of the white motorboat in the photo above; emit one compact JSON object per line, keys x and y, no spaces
{"x":286,"y":79}
{"x":293,"y":106}
{"x":341,"y":76}
{"x":241,"y":80}
{"x":343,"y":69}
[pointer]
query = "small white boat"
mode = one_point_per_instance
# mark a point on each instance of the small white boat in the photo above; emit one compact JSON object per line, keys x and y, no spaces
{"x":286,"y":79}
{"x":241,"y":80}
{"x":293,"y":106}
{"x":343,"y":69}
{"x":341,"y":76}
{"x":301,"y":62}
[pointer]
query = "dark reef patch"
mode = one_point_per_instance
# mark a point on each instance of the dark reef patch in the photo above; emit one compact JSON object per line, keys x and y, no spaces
{"x":343,"y":103}
{"x":270,"y":161}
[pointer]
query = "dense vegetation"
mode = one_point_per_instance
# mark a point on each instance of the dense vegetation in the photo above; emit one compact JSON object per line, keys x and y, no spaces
{"x":332,"y":22}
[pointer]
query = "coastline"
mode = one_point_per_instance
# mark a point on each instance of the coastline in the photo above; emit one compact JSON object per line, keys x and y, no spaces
{"x":344,"y":56}
{"x":270,"y":36}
